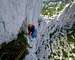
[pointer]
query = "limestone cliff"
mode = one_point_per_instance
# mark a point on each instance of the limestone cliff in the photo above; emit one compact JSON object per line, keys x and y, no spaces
{"x":13,"y":13}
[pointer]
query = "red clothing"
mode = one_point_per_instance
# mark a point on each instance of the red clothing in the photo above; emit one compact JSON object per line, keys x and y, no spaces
{"x":29,"y":33}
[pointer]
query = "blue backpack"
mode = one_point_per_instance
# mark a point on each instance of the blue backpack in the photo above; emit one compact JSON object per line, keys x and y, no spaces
{"x":34,"y":33}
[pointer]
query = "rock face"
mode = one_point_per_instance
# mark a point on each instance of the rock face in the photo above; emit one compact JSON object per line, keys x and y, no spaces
{"x":13,"y":13}
{"x":54,"y":36}
{"x":52,"y":40}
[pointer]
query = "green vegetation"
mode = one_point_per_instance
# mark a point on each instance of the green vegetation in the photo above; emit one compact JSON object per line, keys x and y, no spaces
{"x":58,"y":53}
{"x":51,"y":34}
{"x":73,"y":50}
{"x":56,"y":59}
{"x":71,"y":56}
{"x":16,"y":49}
{"x":70,"y":52}
{"x":49,"y":56}
{"x":70,"y":39}
{"x":51,"y":8}
{"x":65,"y":54}
{"x":62,"y":43}
{"x":71,"y":36}
{"x":54,"y":54}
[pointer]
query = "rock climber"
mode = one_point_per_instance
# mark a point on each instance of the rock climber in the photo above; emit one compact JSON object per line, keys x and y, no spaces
{"x":32,"y":31}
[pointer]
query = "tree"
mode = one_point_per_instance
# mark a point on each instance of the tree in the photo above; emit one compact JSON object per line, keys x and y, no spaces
{"x":52,"y":7}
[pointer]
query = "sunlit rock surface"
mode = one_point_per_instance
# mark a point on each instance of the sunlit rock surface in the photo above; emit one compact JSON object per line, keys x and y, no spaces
{"x":53,"y":39}
{"x":13,"y":13}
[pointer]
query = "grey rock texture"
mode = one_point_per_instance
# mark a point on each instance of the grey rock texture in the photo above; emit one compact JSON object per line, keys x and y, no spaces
{"x":52,"y":39}
{"x":13,"y":13}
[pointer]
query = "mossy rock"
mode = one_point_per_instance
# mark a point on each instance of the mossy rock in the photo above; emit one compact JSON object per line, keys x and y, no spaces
{"x":16,"y":49}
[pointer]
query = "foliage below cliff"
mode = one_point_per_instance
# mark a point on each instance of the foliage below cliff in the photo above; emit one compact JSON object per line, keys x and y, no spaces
{"x":16,"y":49}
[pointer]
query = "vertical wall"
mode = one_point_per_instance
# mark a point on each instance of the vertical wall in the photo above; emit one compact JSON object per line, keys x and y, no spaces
{"x":33,"y":11}
{"x":13,"y":13}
